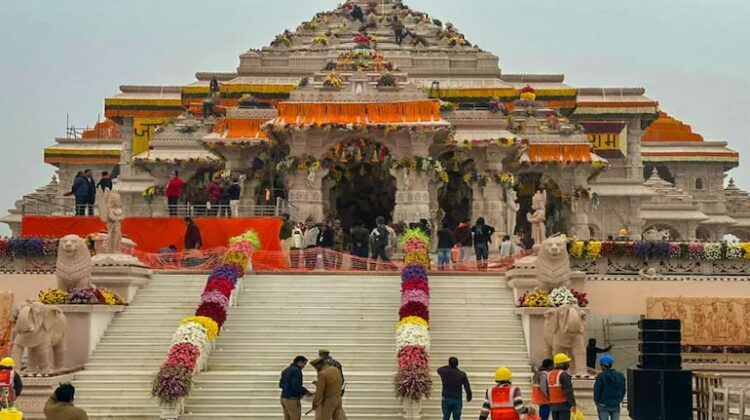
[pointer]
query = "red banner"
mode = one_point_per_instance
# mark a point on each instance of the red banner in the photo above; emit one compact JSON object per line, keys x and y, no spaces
{"x":151,"y":234}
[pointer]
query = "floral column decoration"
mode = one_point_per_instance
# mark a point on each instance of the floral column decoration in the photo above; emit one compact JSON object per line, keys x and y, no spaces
{"x":413,"y":381}
{"x":193,"y":341}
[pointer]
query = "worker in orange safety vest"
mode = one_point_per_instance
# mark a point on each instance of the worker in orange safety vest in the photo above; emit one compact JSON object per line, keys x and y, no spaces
{"x":562,"y":400}
{"x":540,"y":391}
{"x":10,"y":383}
{"x":503,"y":401}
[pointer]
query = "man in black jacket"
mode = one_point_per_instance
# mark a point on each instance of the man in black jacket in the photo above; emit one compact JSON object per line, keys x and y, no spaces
{"x":454,"y":379}
{"x":91,"y":190}
{"x":80,"y":190}
{"x":292,"y":389}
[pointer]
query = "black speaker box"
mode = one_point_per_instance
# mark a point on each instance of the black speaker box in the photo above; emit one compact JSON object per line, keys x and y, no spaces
{"x":659,"y":361}
{"x":655,"y":394}
{"x":659,"y":324}
{"x":660,"y":348}
{"x":658,"y":336}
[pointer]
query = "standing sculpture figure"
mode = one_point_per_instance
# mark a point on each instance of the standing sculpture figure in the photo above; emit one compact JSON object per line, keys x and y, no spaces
{"x":537,"y":218}
{"x":512,"y":208}
{"x":112,"y":213}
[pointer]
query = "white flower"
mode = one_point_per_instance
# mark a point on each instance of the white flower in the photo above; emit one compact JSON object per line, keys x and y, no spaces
{"x":712,"y":251}
{"x":562,"y":296}
{"x":734,"y":251}
{"x":411,"y":335}
{"x":192,"y":333}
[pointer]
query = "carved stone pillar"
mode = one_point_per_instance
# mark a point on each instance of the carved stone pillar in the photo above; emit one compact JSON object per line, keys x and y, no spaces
{"x":634,"y":161}
{"x":306,"y":192}
{"x":412,"y":196}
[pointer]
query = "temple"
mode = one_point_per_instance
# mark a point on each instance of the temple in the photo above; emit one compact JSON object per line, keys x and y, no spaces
{"x":339,"y":118}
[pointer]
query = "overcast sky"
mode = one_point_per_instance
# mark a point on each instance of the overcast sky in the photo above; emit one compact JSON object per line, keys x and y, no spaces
{"x":65,"y":57}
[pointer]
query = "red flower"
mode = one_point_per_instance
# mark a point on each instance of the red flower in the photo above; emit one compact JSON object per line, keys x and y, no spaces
{"x":415,"y":309}
{"x":413,"y":356}
{"x":222,"y":285}
{"x":183,"y":354}
{"x":416,"y":285}
{"x":213,"y":311}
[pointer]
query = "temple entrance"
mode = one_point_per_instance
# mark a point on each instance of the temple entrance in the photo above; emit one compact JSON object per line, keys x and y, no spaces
{"x":361,"y":187}
{"x":455,"y":197}
{"x":556,"y":212}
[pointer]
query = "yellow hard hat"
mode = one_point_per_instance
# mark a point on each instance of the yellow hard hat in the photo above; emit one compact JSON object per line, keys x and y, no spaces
{"x":7,"y":362}
{"x":561,"y":358}
{"x":503,"y":374}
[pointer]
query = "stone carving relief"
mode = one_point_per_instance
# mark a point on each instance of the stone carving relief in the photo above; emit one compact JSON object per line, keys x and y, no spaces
{"x":73,"y":263}
{"x":41,"y":330}
{"x":538,"y":217}
{"x":111,"y":212}
{"x":706,"y":321}
{"x":565,"y":331}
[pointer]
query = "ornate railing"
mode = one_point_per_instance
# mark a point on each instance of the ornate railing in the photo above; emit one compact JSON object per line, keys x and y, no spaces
{"x":662,"y":266}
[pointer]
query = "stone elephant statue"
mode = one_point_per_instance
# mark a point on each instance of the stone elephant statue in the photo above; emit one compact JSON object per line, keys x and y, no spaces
{"x":41,"y":329}
{"x":565,"y":331}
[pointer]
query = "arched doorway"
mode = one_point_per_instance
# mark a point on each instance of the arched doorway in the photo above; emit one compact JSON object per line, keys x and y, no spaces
{"x":270,"y":181}
{"x":361,"y":186}
{"x":455,"y":197}
{"x":674,"y":234}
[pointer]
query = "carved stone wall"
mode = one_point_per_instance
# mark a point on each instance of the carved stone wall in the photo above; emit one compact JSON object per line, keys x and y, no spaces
{"x":706,"y":321}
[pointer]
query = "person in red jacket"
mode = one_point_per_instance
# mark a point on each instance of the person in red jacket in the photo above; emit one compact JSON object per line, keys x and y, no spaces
{"x":173,"y":192}
{"x":215,"y":193}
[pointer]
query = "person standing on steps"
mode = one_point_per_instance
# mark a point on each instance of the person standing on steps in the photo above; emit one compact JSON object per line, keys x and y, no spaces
{"x":503,"y":401}
{"x":285,"y":236}
{"x":446,"y":240}
{"x":482,"y":239}
{"x":379,"y":238}
{"x":562,"y":399}
{"x":292,"y":389}
{"x":454,"y":382}
{"x":463,"y":237}
{"x":540,"y":390}
{"x":360,"y":246}
{"x":609,"y":390}
{"x":327,"y":401}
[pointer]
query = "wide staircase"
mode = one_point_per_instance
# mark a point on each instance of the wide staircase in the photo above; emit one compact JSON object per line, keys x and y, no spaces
{"x":471,"y":318}
{"x":281,"y":316}
{"x":116,"y":382}
{"x":354,"y":317}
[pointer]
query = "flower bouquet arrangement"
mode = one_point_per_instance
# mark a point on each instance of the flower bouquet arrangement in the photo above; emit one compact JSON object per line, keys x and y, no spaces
{"x":231,"y":272}
{"x":215,"y":297}
{"x":53,"y":297}
{"x":111,"y":297}
{"x":581,"y":297}
{"x":84,"y":296}
{"x":496,"y":106}
{"x":321,"y":39}
{"x":537,"y":299}
{"x":413,"y":272}
{"x":250,"y":236}
{"x":415,"y":285}
{"x":172,"y":383}
{"x":413,"y":308}
{"x":150,"y":194}
{"x":415,"y":296}
{"x":506,"y":179}
{"x":413,"y":356}
{"x":414,"y":245}
{"x":211,"y":327}
{"x":413,"y":320}
{"x":333,"y":80}
{"x":214,"y":311}
{"x":413,"y":383}
{"x":562,"y":296}
{"x":222,"y":285}
{"x":192,"y":333}
{"x":419,"y":258}
{"x":183,"y":354}
{"x":238,"y":258}
{"x":417,"y":234}
{"x":412,"y":334}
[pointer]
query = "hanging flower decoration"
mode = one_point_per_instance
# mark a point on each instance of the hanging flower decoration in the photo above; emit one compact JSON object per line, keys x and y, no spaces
{"x":649,"y":250}
{"x":27,"y":247}
{"x":333,"y":80}
{"x":191,"y":342}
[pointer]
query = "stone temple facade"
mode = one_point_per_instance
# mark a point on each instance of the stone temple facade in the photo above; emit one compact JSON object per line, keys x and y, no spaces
{"x":340,"y":119}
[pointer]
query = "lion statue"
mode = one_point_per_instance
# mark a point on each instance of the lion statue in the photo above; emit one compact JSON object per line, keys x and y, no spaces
{"x":565,"y":331}
{"x":553,"y":263}
{"x":73,"y":263}
{"x":41,"y":330}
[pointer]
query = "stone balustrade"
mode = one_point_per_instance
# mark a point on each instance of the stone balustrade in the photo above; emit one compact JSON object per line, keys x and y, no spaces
{"x":656,"y":267}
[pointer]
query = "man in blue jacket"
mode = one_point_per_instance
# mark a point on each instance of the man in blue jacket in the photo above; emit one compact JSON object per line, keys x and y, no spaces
{"x":292,"y":390}
{"x":609,"y":390}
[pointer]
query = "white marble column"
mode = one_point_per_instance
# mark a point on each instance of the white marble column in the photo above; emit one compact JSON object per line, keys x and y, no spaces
{"x":306,"y":192}
{"x":412,"y":196}
{"x":634,"y":161}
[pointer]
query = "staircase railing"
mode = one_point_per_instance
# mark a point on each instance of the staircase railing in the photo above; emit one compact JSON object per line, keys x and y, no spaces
{"x":729,"y":404}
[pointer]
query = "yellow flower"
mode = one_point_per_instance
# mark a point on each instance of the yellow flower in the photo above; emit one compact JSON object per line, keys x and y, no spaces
{"x":594,"y":250}
{"x":212,"y":328}
{"x":576,"y":250}
{"x":417,"y":258}
{"x":236,"y":257}
{"x":53,"y":296}
{"x":413,"y":320}
{"x":746,"y":247}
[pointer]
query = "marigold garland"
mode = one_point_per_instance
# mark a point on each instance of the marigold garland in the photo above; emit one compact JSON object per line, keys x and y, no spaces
{"x":413,"y":320}
{"x":53,"y":296}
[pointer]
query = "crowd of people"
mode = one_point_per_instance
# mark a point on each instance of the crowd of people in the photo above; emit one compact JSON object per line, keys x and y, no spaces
{"x":552,"y":397}
{"x":84,"y":190}
{"x":552,"y":394}
{"x":302,"y":243}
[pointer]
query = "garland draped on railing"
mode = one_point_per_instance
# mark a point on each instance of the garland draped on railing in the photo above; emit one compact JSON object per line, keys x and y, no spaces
{"x":193,"y":341}
{"x":645,"y":250}
{"x":413,"y":381}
